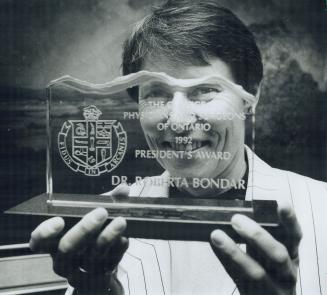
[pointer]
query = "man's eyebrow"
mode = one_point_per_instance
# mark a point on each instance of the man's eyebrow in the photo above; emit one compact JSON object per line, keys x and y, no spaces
{"x":206,"y":84}
{"x":157,"y":84}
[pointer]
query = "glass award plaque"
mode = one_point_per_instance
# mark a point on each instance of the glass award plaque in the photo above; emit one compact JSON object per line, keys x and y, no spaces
{"x":88,"y":144}
{"x":178,"y":146}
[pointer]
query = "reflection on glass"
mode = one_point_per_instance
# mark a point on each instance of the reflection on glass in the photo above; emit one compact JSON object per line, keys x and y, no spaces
{"x":185,"y":131}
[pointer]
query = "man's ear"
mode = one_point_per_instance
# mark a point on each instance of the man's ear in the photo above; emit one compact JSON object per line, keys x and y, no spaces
{"x":257,"y":90}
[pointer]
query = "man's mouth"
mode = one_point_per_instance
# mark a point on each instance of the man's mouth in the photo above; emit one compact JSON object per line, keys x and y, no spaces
{"x":188,"y":147}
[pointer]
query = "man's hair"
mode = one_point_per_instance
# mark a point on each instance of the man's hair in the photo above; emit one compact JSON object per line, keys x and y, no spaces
{"x":191,"y":32}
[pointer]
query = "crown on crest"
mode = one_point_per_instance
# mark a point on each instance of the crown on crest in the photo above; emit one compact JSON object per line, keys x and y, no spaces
{"x":91,"y":113}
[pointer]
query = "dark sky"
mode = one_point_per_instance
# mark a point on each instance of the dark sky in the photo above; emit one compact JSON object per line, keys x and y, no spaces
{"x":44,"y":39}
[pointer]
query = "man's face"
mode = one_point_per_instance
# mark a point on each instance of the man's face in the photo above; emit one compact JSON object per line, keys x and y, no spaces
{"x":204,"y":121}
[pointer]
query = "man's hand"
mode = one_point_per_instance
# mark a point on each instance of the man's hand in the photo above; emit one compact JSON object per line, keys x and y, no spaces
{"x":88,"y":253}
{"x":269,"y":266}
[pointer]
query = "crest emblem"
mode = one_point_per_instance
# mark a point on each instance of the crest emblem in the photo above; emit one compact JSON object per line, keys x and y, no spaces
{"x":92,"y":146}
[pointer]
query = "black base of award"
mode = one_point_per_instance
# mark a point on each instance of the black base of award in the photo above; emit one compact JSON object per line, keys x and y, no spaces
{"x":152,"y":218}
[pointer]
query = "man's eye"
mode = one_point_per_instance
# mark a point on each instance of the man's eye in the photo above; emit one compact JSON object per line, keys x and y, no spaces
{"x":156,"y":94}
{"x":205,"y":92}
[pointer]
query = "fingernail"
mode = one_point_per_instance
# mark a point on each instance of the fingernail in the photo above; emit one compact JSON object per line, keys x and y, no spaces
{"x":101,"y":214}
{"x":119,"y":224}
{"x":238,"y":221}
{"x":216,"y":238}
{"x":58,"y":224}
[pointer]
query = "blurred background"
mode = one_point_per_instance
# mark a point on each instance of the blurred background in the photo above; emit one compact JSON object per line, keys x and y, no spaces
{"x":42,"y":40}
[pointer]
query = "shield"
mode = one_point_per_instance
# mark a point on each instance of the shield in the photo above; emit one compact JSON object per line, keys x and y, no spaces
{"x":87,"y":145}
{"x":92,"y":142}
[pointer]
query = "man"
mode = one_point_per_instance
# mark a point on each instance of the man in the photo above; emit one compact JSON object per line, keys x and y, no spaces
{"x":206,"y":52}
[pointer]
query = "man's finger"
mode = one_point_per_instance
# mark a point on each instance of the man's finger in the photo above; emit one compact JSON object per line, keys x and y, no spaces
{"x":79,"y":235}
{"x":45,"y":237}
{"x":116,"y":253}
{"x":270,"y":253}
{"x":108,"y":248}
{"x":112,"y":231}
{"x":241,"y":267}
{"x":76,"y":239}
{"x":291,"y":227}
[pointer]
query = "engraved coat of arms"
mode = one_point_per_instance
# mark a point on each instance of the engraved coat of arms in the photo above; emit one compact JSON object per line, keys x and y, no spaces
{"x":92,"y":146}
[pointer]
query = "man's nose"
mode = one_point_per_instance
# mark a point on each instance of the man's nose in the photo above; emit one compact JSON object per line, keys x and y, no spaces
{"x":181,"y":114}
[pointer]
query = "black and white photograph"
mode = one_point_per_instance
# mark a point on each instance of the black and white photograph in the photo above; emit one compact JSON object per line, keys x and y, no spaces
{"x":163,"y":147}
